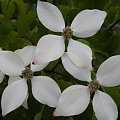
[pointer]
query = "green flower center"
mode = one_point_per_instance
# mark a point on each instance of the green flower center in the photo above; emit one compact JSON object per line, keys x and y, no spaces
{"x":27,"y":73}
{"x":93,"y":86}
{"x":67,"y":33}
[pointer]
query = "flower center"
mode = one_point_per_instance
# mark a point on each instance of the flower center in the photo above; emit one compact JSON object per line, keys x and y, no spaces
{"x":27,"y":73}
{"x":67,"y":33}
{"x":93,"y":86}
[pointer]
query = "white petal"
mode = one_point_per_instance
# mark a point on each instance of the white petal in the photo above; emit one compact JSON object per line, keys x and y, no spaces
{"x":1,"y":76}
{"x":50,"y":16}
{"x":104,"y":106}
{"x":0,"y":49}
{"x":46,"y":90}
{"x":79,"y":73}
{"x":108,"y":73}
{"x":13,"y":79}
{"x":26,"y":54}
{"x":10,"y":63}
{"x":74,"y":100}
{"x":24,"y":104}
{"x":80,"y":54}
{"x":13,"y":96}
{"x":88,"y":22}
{"x":49,"y":48}
{"x":38,"y":67}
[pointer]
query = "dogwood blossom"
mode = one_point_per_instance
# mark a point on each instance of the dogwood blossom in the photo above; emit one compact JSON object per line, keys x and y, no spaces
{"x":44,"y":88}
{"x":52,"y":47}
{"x":75,"y":99}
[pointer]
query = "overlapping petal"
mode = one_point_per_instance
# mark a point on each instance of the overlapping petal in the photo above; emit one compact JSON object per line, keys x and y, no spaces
{"x":108,"y":72}
{"x":79,"y":73}
{"x":49,"y":48}
{"x":13,"y":79}
{"x":74,"y":100}
{"x":38,"y":67}
{"x":88,"y":22}
{"x":50,"y":16}
{"x":10,"y":63}
{"x":80,"y":54}
{"x":104,"y":106}
{"x":13,"y":96}
{"x":26,"y":54}
{"x":45,"y":90}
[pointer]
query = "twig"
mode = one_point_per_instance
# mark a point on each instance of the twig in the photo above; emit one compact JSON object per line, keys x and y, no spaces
{"x":68,"y":76}
{"x":110,"y":29}
{"x":56,"y":65}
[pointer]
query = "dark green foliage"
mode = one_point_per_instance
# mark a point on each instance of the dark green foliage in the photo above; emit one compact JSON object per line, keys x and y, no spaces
{"x":20,"y":26}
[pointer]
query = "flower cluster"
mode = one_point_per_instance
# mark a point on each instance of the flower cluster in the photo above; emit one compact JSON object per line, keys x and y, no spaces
{"x":21,"y":64}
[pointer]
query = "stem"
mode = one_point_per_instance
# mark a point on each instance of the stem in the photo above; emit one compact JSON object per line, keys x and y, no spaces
{"x":56,"y":65}
{"x":70,"y":77}
{"x":112,"y":26}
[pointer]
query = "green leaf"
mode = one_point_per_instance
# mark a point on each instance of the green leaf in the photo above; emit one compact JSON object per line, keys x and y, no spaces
{"x":64,"y":10}
{"x":98,"y":58}
{"x":63,"y":84}
{"x":24,"y":21}
{"x":5,"y":27}
{"x":84,"y":42}
{"x":47,"y":113}
{"x":114,"y":44}
{"x":39,"y":115}
{"x":93,"y":117}
{"x":12,"y":41}
{"x":21,"y":6}
{"x":8,"y":8}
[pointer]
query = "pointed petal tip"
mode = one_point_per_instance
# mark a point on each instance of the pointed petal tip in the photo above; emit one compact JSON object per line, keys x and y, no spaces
{"x":11,"y":59}
{"x":50,"y":16}
{"x":3,"y":114}
{"x":13,"y":96}
{"x":53,"y":115}
{"x":78,"y":57}
{"x":46,"y":90}
{"x":79,"y":73}
{"x":108,"y":72}
{"x":104,"y":106}
{"x":73,"y":95}
{"x":88,"y":22}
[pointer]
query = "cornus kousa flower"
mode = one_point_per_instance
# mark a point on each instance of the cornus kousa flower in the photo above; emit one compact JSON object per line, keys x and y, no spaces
{"x":52,"y":47}
{"x":75,"y":99}
{"x":1,"y":74}
{"x":14,"y":64}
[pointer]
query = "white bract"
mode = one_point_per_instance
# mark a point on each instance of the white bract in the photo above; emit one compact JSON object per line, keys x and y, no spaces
{"x":75,"y":99}
{"x":52,"y":47}
{"x":44,"y":89}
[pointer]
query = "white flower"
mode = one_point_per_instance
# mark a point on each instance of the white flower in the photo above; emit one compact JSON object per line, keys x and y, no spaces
{"x":75,"y":99}
{"x":52,"y":47}
{"x":44,"y":89}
